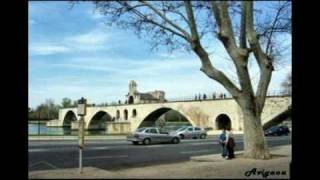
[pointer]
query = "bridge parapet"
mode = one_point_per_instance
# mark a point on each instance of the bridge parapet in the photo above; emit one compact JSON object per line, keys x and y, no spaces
{"x":200,"y":113}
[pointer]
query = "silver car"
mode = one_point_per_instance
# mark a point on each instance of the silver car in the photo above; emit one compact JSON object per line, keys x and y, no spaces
{"x":191,"y":132}
{"x":148,"y":135}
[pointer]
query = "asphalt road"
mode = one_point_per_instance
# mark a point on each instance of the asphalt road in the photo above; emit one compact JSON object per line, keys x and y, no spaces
{"x":116,"y":154}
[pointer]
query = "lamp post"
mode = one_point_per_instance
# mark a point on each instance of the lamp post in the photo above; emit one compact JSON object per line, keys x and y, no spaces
{"x":82,"y":103}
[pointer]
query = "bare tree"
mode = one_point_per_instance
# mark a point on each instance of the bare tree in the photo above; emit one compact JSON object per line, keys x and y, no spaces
{"x":287,"y":84}
{"x":191,"y":25}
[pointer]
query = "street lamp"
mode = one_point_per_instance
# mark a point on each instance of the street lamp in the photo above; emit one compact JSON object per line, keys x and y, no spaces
{"x":82,"y":103}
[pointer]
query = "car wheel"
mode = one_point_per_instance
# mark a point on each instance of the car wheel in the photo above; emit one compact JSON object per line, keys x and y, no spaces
{"x":202,"y":136}
{"x":135,"y":142}
{"x":181,"y":136}
{"x":175,"y":140}
{"x":146,"y":141}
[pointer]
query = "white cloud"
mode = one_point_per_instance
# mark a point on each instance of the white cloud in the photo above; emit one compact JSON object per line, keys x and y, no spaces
{"x":96,"y":15}
{"x":47,"y":49}
{"x":93,"y":38}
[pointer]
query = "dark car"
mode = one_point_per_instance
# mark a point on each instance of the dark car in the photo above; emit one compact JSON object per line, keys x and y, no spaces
{"x":277,"y":131}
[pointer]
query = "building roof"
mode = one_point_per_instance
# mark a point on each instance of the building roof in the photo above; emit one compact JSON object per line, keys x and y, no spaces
{"x":146,"y":96}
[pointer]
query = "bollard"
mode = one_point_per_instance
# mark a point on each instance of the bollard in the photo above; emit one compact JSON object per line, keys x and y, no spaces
{"x":81,"y":112}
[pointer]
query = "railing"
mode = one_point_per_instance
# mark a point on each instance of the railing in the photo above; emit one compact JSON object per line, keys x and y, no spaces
{"x":220,"y":96}
{"x":217,"y":96}
{"x":279,"y":93}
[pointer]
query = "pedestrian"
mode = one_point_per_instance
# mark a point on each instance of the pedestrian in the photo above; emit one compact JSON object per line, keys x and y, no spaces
{"x":230,"y":144}
{"x":224,"y":96}
{"x":222,"y":142}
{"x":204,"y":96}
{"x":195,"y":97}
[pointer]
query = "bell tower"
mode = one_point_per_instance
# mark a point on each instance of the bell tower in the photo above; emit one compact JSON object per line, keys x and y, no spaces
{"x":132,"y":87}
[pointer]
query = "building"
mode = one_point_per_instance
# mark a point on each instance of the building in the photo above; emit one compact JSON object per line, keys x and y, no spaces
{"x":134,"y":96}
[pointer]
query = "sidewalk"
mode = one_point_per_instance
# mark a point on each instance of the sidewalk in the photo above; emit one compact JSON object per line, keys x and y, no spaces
{"x":216,"y":132}
{"x":209,"y":166}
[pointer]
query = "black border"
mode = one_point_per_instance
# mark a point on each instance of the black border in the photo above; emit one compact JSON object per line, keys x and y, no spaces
{"x":14,"y":89}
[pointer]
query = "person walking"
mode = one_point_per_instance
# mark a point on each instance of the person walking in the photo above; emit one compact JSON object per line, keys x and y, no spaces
{"x":222,"y":142}
{"x":204,"y":96}
{"x":230,"y":144}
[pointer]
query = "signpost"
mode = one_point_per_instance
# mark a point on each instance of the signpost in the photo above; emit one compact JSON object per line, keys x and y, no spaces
{"x":82,"y":103}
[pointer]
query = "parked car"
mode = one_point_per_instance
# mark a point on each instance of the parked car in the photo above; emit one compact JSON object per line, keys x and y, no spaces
{"x":277,"y":131}
{"x":191,"y":132}
{"x":148,"y":135}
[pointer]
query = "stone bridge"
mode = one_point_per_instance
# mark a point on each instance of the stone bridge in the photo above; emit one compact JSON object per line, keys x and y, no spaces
{"x":206,"y":113}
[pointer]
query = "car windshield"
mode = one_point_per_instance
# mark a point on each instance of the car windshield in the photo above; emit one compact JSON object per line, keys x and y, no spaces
{"x":140,"y":129}
{"x":182,"y":129}
{"x":273,"y":128}
{"x":163,"y":131}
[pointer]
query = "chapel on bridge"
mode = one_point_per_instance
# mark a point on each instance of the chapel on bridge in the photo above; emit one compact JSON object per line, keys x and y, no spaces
{"x":134,"y":96}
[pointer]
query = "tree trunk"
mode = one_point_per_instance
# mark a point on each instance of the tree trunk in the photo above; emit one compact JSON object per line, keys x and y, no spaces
{"x":255,"y":145}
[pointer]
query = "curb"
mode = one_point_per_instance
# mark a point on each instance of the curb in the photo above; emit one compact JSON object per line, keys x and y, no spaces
{"x":74,"y":138}
{"x":211,"y":158}
{"x":218,"y":158}
{"x":214,"y":132}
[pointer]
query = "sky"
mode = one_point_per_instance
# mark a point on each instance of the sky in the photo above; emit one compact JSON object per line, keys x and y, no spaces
{"x":73,"y":53}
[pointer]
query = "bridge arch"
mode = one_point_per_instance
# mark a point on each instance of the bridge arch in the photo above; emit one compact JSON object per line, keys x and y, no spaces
{"x":118,"y":115}
{"x":125,"y":114}
{"x":223,"y":121}
{"x":99,"y":120}
{"x":134,"y":113}
{"x":160,"y":113}
{"x":131,"y":101}
{"x":69,"y":117}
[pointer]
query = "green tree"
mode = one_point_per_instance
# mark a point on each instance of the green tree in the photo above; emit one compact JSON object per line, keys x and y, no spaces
{"x":185,"y":24}
{"x":160,"y":122}
{"x":66,"y":103}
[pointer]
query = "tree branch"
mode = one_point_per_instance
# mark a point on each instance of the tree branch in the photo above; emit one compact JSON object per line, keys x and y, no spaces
{"x":238,"y":55}
{"x":243,"y":38}
{"x":191,"y":21}
{"x":272,"y":28}
{"x":166,"y":19}
{"x":146,"y":19}
{"x":264,"y":62}
{"x":207,"y":67}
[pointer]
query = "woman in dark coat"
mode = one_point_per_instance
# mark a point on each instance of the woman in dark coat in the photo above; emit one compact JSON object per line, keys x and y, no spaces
{"x":230,"y":143}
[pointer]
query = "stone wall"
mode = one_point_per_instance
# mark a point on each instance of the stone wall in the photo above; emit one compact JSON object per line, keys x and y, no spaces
{"x":118,"y":127}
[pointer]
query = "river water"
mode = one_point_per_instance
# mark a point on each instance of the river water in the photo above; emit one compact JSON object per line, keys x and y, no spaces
{"x":42,"y":129}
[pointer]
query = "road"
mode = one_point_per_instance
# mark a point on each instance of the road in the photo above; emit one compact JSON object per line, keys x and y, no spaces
{"x":116,"y":154}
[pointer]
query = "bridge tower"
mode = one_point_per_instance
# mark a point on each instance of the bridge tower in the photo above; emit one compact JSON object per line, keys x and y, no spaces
{"x":132,"y":87}
{"x":132,"y":91}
